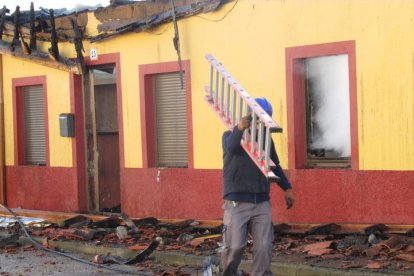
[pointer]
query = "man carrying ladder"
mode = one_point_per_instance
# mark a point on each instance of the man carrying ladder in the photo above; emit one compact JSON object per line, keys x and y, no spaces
{"x":247,"y":206}
{"x":250,"y":163}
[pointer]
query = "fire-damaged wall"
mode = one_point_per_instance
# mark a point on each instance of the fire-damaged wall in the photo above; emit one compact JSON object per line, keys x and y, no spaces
{"x":349,"y":161}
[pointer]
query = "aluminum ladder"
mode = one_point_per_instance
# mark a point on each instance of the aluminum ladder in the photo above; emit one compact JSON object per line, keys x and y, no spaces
{"x":231,"y":102}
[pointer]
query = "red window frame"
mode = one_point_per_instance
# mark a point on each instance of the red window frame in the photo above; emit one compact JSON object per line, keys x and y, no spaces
{"x":18,"y":85}
{"x":146,"y":73}
{"x":296,"y":98}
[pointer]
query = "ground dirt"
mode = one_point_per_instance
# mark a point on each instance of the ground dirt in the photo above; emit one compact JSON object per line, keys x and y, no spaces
{"x":27,"y":262}
{"x":388,"y":254}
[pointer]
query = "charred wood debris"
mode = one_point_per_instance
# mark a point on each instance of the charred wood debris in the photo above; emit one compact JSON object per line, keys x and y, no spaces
{"x":375,"y":247}
{"x":121,"y":16}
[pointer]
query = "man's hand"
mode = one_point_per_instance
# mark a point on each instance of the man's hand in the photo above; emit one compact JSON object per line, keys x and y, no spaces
{"x":244,"y":122}
{"x":289,"y":198}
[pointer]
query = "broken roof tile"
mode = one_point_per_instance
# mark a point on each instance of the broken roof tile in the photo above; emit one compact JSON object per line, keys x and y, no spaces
{"x":319,"y":245}
{"x":319,"y":251}
{"x":405,"y":257}
{"x":394,"y":242}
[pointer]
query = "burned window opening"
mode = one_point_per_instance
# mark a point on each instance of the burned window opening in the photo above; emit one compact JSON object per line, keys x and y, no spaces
{"x":327,"y":112}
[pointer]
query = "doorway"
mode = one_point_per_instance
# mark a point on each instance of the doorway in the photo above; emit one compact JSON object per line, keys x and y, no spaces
{"x":103,"y":140}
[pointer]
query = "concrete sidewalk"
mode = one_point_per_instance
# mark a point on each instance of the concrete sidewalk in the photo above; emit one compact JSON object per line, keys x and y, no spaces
{"x":181,"y":258}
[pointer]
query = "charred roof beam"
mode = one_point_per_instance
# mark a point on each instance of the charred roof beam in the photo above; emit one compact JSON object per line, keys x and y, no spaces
{"x":16,"y":28}
{"x":4,"y":10}
{"x":53,"y":50}
{"x":33,"y":45}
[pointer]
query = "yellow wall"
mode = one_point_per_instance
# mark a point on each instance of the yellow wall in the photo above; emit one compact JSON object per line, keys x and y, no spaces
{"x":58,"y":98}
{"x":250,"y":41}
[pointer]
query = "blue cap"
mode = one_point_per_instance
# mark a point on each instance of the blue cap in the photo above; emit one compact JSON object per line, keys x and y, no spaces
{"x":265,"y":105}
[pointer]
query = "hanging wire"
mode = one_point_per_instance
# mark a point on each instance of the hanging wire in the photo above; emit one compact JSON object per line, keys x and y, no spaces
{"x":218,"y":20}
{"x":204,"y":18}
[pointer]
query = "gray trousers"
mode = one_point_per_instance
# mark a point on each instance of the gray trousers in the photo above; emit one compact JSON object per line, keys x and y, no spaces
{"x":239,"y":220}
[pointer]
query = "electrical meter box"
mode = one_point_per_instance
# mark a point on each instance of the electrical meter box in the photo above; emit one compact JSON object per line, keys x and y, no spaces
{"x":67,"y":125}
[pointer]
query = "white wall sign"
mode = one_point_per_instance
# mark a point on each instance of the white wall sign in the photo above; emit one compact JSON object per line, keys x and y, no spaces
{"x":93,"y":54}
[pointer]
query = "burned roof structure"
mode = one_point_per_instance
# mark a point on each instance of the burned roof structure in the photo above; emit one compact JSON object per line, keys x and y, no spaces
{"x":117,"y":18}
{"x":144,"y":15}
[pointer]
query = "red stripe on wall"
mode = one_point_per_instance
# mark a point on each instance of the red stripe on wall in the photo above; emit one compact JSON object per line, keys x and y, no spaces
{"x":349,"y":196}
{"x":41,"y":188}
{"x":172,"y":193}
{"x":341,"y":196}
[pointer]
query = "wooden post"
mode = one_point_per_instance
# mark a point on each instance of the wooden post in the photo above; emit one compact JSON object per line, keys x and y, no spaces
{"x":87,"y":89}
{"x":2,"y":140}
{"x":78,"y":44}
{"x":95,"y":140}
{"x":33,"y":45}
{"x":85,"y":94}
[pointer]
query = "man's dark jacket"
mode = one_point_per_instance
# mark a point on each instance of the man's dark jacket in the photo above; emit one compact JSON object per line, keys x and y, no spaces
{"x":242,"y":179}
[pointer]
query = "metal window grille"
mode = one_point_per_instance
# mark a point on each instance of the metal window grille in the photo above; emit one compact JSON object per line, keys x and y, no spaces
{"x":171,"y":121}
{"x":34,"y":125}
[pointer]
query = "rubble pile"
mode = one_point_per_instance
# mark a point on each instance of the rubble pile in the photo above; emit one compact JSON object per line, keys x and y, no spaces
{"x":388,"y":252}
{"x":374,"y":249}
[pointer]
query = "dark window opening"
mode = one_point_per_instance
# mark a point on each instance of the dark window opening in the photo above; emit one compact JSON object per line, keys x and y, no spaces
{"x":327,"y":104}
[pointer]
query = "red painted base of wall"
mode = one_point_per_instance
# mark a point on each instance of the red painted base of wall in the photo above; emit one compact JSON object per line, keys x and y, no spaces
{"x":42,"y":188}
{"x":320,"y":195}
{"x":351,"y":196}
{"x":179,"y":193}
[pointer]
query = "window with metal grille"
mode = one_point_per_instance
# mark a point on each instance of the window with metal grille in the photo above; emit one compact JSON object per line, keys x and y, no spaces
{"x":170,"y":121}
{"x":34,"y":125}
{"x":327,"y":111}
